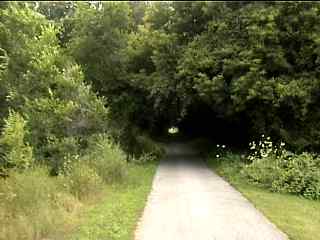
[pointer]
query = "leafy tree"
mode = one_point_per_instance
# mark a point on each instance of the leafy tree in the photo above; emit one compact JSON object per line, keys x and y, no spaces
{"x":152,"y":65}
{"x":244,"y":61}
{"x":45,"y":85}
{"x":137,"y":13}
{"x":98,"y":36}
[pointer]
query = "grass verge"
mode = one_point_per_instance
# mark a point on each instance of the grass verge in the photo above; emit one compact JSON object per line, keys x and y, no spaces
{"x":299,"y":218}
{"x":116,"y":216}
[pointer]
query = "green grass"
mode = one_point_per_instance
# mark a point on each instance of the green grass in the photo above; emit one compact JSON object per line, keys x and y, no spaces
{"x":299,"y":218}
{"x":116,"y":216}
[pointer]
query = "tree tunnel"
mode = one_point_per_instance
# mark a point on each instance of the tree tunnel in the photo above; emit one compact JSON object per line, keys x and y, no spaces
{"x":202,"y":121}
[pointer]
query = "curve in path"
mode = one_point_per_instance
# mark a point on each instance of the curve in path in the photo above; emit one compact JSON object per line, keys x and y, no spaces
{"x":190,"y":202}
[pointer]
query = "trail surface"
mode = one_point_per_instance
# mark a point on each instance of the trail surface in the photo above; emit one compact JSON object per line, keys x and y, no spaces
{"x":190,"y":202}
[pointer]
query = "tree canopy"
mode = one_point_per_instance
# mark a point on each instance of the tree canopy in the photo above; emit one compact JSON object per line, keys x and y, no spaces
{"x":218,"y":68}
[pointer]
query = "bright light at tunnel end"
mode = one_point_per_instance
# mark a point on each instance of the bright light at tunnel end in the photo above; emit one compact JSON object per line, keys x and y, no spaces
{"x":173,"y":130}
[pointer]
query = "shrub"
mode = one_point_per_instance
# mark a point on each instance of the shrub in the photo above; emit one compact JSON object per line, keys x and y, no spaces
{"x":263,"y":171}
{"x":145,"y":145}
{"x":106,"y":158}
{"x":60,"y":152}
{"x":15,"y":153}
{"x":82,"y":181}
{"x":144,"y":158}
{"x":299,"y":174}
{"x":279,"y":170}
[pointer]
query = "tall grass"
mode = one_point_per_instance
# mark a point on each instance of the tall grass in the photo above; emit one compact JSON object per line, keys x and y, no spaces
{"x":106,"y":158}
{"x":35,"y":206}
{"x":82,"y":181}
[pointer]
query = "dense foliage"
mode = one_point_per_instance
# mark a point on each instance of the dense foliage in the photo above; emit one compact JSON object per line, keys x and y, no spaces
{"x":277,"y":169}
{"x":256,"y":64}
{"x":54,"y":108}
{"x":269,"y":165}
{"x":53,"y":123}
{"x":70,"y":70}
{"x":153,"y":65}
{"x":83,"y":86}
{"x":250,"y":65}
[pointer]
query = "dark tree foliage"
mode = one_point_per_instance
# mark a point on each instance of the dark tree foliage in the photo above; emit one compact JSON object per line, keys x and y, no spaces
{"x":250,"y":65}
{"x":225,"y":69}
{"x":247,"y":65}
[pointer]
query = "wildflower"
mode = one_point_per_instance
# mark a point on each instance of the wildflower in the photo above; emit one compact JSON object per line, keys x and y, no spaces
{"x":262,"y":135}
{"x":282,"y":144}
{"x":223,"y":146}
{"x":218,"y":145}
{"x":268,"y":138}
{"x":217,"y":155}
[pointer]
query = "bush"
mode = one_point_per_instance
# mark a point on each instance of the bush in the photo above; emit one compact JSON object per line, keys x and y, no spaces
{"x":15,"y":153}
{"x":82,"y":181}
{"x":144,"y":158}
{"x":299,"y":174}
{"x":282,"y":171}
{"x":145,"y":145}
{"x":34,"y":206}
{"x":60,"y":153}
{"x":108,"y":160}
{"x":263,"y":171}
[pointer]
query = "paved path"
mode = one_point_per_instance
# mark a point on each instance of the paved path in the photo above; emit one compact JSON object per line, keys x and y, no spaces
{"x":190,"y":202}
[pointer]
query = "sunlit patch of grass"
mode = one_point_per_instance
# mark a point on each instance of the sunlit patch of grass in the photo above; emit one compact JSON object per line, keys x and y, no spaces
{"x":116,"y":216}
{"x":299,"y":218}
